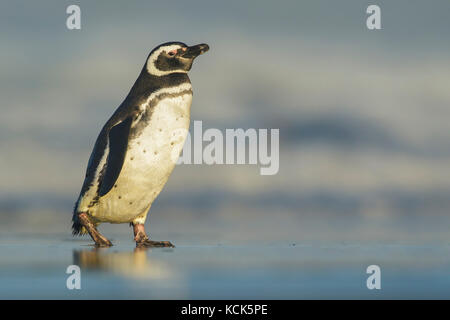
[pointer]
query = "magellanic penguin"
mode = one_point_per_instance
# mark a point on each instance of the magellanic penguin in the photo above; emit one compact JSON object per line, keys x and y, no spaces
{"x":138,"y":147}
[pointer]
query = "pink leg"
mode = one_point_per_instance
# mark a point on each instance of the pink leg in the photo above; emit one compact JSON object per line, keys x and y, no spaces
{"x":99,"y":239}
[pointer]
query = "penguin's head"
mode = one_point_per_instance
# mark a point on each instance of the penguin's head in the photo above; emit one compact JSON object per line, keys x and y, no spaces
{"x":173,"y":57}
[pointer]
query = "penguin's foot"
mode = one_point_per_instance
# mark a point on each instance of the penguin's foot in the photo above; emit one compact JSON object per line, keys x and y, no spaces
{"x":147,"y":243}
{"x":102,"y":241}
{"x":99,"y":239}
{"x":142,"y":239}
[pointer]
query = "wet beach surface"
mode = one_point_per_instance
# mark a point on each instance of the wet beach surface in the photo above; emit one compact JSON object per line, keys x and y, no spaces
{"x":34,"y":267}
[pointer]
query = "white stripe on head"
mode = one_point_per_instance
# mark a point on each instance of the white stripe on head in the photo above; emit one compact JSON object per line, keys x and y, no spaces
{"x":151,"y":67}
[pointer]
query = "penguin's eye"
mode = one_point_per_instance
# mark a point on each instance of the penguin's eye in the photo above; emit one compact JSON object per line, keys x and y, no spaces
{"x":172,"y":53}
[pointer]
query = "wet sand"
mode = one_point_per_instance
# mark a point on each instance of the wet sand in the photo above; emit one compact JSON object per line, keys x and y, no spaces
{"x":34,"y":267}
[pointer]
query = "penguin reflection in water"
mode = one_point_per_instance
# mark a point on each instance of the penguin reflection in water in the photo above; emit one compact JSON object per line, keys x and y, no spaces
{"x":138,"y":147}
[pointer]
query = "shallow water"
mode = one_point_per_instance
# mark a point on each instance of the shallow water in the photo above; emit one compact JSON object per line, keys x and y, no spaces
{"x":35,"y":267}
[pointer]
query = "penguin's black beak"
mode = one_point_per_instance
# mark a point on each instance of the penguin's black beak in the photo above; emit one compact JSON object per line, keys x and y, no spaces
{"x":194,"y":51}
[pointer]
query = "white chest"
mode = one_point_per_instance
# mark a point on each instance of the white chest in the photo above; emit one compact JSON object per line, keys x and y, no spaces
{"x":150,"y":159}
{"x":161,"y":141}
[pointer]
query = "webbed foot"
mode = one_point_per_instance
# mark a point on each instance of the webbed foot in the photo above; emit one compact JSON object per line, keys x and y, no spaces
{"x":142,"y":240}
{"x":147,"y":243}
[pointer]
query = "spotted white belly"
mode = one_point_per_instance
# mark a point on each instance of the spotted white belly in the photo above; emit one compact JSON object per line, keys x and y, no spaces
{"x":149,"y":161}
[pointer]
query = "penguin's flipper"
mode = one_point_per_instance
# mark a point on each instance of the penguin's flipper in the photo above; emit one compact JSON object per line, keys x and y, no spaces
{"x":118,"y":144}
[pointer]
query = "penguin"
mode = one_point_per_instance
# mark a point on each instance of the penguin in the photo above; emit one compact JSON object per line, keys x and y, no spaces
{"x":138,"y":147}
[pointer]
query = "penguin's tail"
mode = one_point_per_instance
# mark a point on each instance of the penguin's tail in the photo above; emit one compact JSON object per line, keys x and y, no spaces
{"x":77,"y":228}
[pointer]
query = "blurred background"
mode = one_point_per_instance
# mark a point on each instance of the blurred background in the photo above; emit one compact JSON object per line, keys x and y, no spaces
{"x":363,"y":115}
